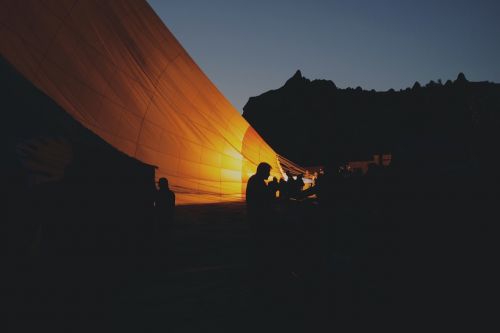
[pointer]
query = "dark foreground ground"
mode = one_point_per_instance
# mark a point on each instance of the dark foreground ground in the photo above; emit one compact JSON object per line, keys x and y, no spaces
{"x":206,"y":280}
{"x":201,"y":282}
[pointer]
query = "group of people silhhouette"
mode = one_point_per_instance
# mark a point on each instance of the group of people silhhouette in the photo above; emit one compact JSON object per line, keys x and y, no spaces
{"x":376,"y":246}
{"x":317,"y":240}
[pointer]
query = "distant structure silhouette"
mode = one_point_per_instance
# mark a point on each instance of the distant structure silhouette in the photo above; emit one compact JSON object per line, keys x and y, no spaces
{"x":459,"y":117}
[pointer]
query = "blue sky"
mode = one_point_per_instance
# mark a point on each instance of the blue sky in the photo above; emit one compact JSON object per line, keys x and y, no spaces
{"x":249,"y":47}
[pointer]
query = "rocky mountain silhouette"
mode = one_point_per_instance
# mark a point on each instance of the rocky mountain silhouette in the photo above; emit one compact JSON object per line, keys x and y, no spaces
{"x":447,"y":126}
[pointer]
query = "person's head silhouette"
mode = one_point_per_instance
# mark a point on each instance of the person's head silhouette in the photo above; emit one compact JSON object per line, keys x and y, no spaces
{"x":263,"y":170}
{"x":163,"y":183}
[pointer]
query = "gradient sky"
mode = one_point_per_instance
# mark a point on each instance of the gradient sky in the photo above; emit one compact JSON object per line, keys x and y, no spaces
{"x":247,"y":47}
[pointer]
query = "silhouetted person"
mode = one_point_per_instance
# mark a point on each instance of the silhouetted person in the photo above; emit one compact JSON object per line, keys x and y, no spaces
{"x":259,"y":196}
{"x":283,"y":188}
{"x":260,"y":199}
{"x":290,"y":185}
{"x":165,"y":209}
{"x":317,"y":181}
{"x":273,"y":186}
{"x":300,"y":183}
{"x":165,"y":202}
{"x":296,"y":185}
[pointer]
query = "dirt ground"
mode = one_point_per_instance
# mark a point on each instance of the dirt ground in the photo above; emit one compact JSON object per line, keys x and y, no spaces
{"x":200,"y":279}
{"x":204,"y":277}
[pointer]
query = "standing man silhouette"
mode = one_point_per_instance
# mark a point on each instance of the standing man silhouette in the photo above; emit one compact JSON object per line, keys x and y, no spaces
{"x":165,"y":209}
{"x":259,"y":196}
{"x":165,"y":202}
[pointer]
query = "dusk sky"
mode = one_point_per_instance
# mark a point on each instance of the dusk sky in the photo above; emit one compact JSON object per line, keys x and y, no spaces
{"x":249,"y":47}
